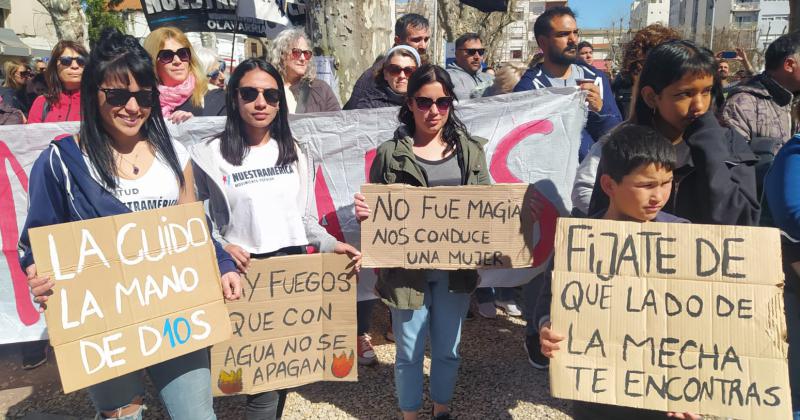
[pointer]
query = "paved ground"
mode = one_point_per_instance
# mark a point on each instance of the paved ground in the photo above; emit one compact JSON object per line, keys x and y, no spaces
{"x":496,"y":382}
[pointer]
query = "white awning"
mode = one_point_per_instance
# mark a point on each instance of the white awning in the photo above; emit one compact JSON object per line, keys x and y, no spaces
{"x":5,"y":4}
{"x":11,"y":45}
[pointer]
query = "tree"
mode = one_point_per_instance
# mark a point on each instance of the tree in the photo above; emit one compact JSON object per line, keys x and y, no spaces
{"x":68,"y":19}
{"x":100,"y":15}
{"x":355,"y":33}
{"x":456,"y":18}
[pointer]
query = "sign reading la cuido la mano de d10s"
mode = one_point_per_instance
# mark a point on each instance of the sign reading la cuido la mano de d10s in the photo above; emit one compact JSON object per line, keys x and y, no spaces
{"x":463,"y":227}
{"x":130,"y":291}
{"x":295,"y":324}
{"x":671,"y":317}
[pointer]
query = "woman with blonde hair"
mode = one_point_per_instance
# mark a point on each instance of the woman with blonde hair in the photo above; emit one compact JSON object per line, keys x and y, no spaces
{"x":291,"y":55}
{"x":182,"y":83}
{"x":17,"y":74}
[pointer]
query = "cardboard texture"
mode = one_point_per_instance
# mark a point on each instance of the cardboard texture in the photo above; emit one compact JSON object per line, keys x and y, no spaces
{"x":690,"y":321}
{"x":295,"y":324}
{"x":130,"y":291}
{"x":464,"y":227}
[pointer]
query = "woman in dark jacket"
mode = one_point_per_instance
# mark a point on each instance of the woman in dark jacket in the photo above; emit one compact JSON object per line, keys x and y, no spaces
{"x":291,"y":55}
{"x":391,"y":80}
{"x":431,"y":148}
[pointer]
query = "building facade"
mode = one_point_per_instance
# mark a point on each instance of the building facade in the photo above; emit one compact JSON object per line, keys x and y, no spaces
{"x":754,"y":24}
{"x":648,"y":12}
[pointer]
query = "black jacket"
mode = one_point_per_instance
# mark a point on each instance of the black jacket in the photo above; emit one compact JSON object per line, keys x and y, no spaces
{"x":375,"y":97}
{"x":715,"y":179}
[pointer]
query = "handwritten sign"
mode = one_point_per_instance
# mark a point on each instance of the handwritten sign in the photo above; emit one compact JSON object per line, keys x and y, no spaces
{"x":671,"y":317}
{"x":477,"y":226}
{"x":130,"y":291}
{"x":295,"y":324}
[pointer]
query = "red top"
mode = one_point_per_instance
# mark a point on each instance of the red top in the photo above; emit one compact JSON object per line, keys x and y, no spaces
{"x":68,"y":108}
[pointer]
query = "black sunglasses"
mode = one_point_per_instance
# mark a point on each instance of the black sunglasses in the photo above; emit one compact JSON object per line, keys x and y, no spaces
{"x":394,"y":70}
{"x":120,"y":97}
{"x":473,"y":51}
{"x":166,"y":56}
{"x":250,"y":94}
{"x":66,"y":61}
{"x":442,"y":104}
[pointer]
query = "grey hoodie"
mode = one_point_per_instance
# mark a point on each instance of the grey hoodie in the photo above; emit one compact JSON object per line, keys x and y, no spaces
{"x":208,"y":181}
{"x":467,"y":85}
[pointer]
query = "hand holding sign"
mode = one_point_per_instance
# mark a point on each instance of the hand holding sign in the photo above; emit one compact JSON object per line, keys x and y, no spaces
{"x":41,"y":287}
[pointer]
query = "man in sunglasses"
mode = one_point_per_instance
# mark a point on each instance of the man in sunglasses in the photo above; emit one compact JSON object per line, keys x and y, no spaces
{"x":469,"y":81}
{"x":412,"y":30}
{"x":556,"y":32}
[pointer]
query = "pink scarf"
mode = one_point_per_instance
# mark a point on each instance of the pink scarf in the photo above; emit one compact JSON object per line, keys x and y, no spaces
{"x":174,"y":96}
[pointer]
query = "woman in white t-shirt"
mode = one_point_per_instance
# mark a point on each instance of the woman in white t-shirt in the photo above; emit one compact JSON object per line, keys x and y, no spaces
{"x":122,"y":161}
{"x":258,"y":181}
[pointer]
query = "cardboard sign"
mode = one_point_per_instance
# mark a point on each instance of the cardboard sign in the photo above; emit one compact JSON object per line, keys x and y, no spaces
{"x":475,"y":226}
{"x":671,"y":317}
{"x":295,"y":324}
{"x":130,"y":291}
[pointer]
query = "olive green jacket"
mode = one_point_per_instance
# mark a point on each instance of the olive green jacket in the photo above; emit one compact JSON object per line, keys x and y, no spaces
{"x":395,"y":163}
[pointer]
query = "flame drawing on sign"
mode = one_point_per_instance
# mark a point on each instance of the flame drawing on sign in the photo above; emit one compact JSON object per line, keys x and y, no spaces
{"x":341,"y":365}
{"x":230,"y":382}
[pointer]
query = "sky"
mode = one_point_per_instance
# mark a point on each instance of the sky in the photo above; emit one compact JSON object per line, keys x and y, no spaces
{"x":600,"y":13}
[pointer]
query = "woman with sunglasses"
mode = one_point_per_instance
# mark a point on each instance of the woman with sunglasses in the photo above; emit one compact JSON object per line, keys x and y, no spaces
{"x":391,"y":80}
{"x":431,"y":148}
{"x":257,"y":140}
{"x":291,"y":55}
{"x":62,"y":101}
{"x":182,"y":83}
{"x":13,"y":90}
{"x":123,"y":160}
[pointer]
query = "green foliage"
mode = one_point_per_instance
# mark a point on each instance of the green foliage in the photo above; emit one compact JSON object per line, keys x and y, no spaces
{"x":99,"y":17}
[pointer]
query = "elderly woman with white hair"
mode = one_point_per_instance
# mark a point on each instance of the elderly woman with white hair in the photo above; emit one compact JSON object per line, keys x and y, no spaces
{"x":214,"y":69}
{"x":291,"y":55}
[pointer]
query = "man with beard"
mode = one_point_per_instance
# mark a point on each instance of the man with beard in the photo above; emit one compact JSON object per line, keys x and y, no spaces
{"x":468,"y":79}
{"x":410,"y":29}
{"x":556,"y":32}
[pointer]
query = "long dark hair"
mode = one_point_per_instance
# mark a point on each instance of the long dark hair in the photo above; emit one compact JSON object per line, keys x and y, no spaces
{"x":667,"y":64}
{"x":117,"y":57}
{"x":54,"y":86}
{"x":233,"y":146}
{"x":430,"y":73}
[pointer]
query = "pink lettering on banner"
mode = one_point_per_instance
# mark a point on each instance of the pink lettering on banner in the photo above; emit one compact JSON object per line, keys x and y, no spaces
{"x":27,"y":313}
{"x":326,"y":209}
{"x":498,"y":167}
{"x":369,"y":157}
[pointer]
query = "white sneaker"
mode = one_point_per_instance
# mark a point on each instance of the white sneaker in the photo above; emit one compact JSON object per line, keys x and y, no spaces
{"x":509,"y":307}
{"x":487,"y":310}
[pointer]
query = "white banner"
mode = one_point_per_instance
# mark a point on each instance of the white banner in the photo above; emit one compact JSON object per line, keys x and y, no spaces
{"x":533,"y":137}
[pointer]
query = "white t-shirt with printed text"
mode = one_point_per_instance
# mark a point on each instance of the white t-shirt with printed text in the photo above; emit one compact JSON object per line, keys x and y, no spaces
{"x":263,"y":199}
{"x":157,"y":188}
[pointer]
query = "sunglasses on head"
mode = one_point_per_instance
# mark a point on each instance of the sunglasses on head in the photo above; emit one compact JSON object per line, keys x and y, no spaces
{"x":297,"y":52}
{"x":442,"y":104}
{"x":250,"y":94}
{"x":120,"y":97}
{"x":473,"y":51}
{"x":394,"y":70}
{"x":166,"y":56}
{"x":66,"y":61}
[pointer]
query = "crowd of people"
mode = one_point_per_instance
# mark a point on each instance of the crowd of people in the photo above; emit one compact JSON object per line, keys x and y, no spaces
{"x":674,"y":137}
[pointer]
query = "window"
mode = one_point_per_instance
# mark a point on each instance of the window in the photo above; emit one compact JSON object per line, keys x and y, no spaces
{"x":516,"y":54}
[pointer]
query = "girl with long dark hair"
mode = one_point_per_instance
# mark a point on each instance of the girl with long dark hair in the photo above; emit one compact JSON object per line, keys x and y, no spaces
{"x":267,"y":214}
{"x":122,"y":160}
{"x":62,"y":100}
{"x":431,"y":148}
{"x":678,"y":94}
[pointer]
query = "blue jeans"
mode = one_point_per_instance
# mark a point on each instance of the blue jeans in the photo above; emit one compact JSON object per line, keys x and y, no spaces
{"x":491,"y":294}
{"x":183,"y":383}
{"x":440,"y":318}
